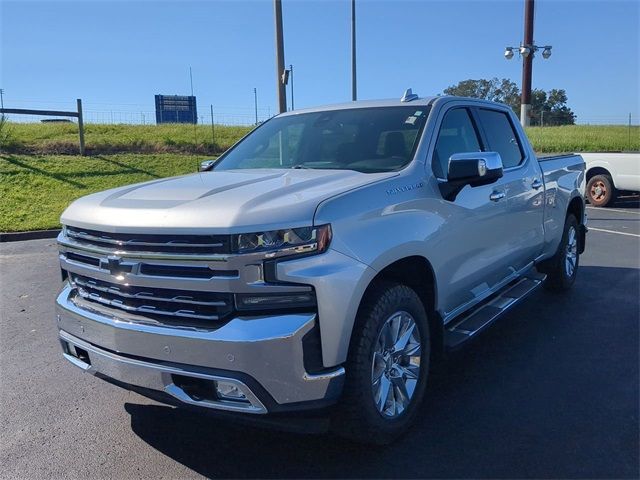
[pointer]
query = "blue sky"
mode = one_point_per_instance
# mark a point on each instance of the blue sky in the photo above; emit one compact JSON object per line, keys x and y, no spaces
{"x":116,"y":55}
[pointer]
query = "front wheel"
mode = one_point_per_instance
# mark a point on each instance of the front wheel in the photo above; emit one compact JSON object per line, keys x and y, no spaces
{"x":562,"y":268}
{"x":387,"y":366}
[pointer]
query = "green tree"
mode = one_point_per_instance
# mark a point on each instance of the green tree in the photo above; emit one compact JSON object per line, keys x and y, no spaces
{"x":496,"y":90}
{"x":547,"y":108}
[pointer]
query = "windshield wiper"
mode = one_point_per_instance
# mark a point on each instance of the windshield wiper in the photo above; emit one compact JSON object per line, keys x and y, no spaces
{"x":300,"y":166}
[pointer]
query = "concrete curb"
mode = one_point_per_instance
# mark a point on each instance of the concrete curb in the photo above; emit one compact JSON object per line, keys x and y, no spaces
{"x":33,"y":235}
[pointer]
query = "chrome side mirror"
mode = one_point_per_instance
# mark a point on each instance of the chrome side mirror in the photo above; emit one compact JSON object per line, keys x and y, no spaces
{"x":206,"y":165}
{"x":473,"y":168}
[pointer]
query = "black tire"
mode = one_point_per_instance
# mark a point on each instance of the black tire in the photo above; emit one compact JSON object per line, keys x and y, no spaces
{"x":558,"y":277}
{"x":600,"y":191}
{"x":357,"y":416}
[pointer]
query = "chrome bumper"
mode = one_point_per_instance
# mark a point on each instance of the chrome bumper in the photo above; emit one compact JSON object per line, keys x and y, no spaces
{"x":261,"y":356}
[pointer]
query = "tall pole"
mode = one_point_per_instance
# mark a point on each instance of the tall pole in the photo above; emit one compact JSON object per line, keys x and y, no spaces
{"x":1,"y":97}
{"x":527,"y":64}
{"x":213,"y":131}
{"x":255,"y":103}
{"x":354,"y":90}
{"x":291,"y":75}
{"x":282,"y":93}
{"x":191,"y":80}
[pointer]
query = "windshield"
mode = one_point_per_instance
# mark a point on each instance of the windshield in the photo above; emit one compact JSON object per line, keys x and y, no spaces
{"x":368,"y":140}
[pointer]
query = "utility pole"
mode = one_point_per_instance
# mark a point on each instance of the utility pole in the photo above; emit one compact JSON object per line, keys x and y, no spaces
{"x":527,"y":64}
{"x":354,"y":90}
{"x":282,"y":93}
{"x":1,"y":97}
{"x":255,"y":103}
{"x":291,"y":75}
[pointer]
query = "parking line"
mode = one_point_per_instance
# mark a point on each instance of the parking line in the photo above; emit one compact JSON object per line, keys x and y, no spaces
{"x":612,"y":210}
{"x":613,"y":231}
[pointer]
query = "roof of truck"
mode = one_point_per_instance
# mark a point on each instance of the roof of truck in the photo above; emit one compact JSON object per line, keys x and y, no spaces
{"x":390,"y":102}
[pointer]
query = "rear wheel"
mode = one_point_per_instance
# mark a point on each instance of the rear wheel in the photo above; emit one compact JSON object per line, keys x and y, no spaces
{"x":562,"y":268}
{"x":387,"y":366}
{"x":600,"y":191}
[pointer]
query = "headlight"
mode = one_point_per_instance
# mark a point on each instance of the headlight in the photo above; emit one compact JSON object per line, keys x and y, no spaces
{"x":292,"y":240}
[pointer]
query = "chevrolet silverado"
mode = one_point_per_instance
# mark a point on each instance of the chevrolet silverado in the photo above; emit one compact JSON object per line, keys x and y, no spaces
{"x":324,"y":263}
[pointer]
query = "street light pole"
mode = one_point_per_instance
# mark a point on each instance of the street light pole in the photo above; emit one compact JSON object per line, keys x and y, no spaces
{"x":291,"y":75}
{"x":527,"y":64}
{"x":354,"y":89}
{"x":527,"y":51}
{"x":255,"y":103}
{"x":282,"y":93}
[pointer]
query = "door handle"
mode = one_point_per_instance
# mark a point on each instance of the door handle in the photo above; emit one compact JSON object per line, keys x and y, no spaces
{"x":537,"y":184}
{"x":497,"y":196}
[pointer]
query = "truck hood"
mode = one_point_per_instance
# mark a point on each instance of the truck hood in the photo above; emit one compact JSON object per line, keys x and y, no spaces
{"x":216,"y":202}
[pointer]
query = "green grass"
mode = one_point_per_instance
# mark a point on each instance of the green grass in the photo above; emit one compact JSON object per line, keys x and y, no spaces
{"x":40,"y":173}
{"x":584,"y":138}
{"x":62,"y":138}
{"x":35,"y":189}
{"x":55,"y":139}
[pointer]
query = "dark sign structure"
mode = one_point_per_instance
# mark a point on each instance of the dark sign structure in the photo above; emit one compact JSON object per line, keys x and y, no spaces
{"x":176,"y":109}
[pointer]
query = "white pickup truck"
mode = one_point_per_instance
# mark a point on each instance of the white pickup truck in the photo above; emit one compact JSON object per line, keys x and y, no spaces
{"x":324,"y":263}
{"x":611,"y":174}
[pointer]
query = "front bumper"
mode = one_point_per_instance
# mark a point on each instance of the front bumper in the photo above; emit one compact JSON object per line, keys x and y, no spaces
{"x":263,"y":357}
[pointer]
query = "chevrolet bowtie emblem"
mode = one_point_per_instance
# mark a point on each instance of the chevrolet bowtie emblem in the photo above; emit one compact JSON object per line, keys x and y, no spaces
{"x":115,"y":266}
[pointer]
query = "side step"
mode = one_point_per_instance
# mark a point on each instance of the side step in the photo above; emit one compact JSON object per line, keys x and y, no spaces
{"x":463,"y":328}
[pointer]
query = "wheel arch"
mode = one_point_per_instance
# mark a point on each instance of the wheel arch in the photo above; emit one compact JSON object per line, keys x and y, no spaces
{"x":576,"y":207}
{"x":593,"y":171}
{"x":416,"y":272}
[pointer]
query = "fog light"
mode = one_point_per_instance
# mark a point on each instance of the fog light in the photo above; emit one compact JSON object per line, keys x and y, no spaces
{"x":230,"y":391}
{"x":289,"y":300}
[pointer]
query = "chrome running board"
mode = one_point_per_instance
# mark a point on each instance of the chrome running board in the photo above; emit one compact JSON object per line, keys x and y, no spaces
{"x":459,"y":330}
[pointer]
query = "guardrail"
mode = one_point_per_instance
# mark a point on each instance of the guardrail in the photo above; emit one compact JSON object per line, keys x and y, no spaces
{"x":54,"y":113}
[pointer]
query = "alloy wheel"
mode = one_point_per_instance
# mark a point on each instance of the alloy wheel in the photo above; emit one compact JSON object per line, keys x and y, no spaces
{"x":395,"y":366}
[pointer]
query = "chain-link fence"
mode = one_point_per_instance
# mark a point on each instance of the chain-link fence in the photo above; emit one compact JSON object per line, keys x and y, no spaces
{"x":130,"y":115}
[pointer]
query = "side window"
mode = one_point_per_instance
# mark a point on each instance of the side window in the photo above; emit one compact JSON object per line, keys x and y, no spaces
{"x":501,"y":137}
{"x":456,"y":135}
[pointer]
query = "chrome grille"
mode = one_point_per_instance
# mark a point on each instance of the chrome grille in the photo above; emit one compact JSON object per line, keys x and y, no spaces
{"x":133,"y":242}
{"x":167,"y":305}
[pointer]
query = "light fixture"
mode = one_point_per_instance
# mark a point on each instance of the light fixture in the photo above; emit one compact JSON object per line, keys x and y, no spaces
{"x":526,"y":50}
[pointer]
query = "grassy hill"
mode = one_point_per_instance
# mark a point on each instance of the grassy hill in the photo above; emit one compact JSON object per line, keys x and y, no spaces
{"x":35,"y":189}
{"x":62,"y":138}
{"x":56,"y":139}
{"x":41,"y":173}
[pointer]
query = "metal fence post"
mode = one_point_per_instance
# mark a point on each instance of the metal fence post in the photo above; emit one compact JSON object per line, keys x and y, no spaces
{"x":80,"y":127}
{"x":213,"y":132}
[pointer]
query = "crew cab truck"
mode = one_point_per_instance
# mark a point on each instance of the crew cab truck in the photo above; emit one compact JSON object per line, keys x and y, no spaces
{"x":326,"y":261}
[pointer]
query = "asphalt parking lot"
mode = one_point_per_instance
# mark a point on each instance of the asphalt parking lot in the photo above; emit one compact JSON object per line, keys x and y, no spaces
{"x":551,"y":391}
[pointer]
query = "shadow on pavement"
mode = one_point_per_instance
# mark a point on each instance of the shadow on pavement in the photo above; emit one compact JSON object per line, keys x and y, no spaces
{"x":550,"y":391}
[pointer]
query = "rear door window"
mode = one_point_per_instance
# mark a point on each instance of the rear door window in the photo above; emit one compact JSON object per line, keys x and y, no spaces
{"x":501,"y":137}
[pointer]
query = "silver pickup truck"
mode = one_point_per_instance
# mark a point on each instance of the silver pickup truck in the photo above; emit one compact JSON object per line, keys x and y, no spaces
{"x":324,"y":263}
